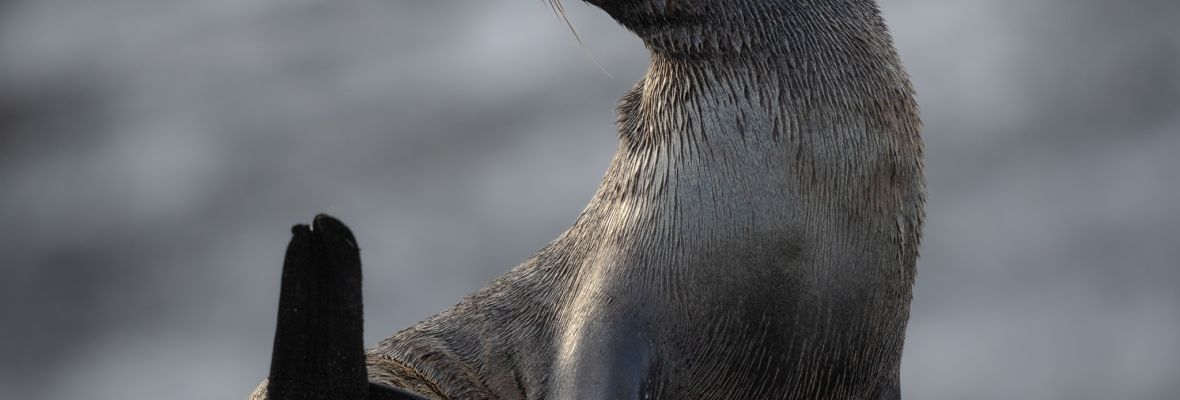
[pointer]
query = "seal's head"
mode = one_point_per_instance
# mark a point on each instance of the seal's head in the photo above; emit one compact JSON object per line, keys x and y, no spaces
{"x":644,"y":16}
{"x":705,"y":27}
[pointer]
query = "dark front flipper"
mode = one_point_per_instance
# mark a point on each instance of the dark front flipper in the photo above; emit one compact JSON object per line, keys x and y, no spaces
{"x":319,"y":346}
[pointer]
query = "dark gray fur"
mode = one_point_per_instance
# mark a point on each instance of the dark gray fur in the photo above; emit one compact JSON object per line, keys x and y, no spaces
{"x":755,"y":235}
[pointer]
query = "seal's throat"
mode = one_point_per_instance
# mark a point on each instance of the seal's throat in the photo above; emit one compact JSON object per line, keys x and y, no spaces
{"x":762,"y":142}
{"x":771,"y":198}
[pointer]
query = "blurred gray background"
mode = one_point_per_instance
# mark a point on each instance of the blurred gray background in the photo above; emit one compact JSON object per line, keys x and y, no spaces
{"x":154,"y":153}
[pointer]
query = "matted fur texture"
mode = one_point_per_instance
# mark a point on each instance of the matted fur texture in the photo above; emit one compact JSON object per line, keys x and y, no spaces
{"x":755,"y":235}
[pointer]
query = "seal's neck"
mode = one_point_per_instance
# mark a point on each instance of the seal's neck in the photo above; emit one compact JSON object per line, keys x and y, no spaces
{"x":751,"y":135}
{"x":834,"y":83}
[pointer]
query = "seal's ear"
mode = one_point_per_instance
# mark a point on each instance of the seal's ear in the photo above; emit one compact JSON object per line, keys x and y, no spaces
{"x":319,"y":344}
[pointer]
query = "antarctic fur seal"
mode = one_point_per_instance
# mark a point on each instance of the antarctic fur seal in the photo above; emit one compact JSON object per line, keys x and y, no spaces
{"x":754,"y":237}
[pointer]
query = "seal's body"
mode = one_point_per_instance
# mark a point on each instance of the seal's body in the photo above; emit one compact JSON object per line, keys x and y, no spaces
{"x":755,"y":236}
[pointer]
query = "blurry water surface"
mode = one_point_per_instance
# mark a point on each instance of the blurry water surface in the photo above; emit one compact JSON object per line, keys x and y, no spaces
{"x":153,"y":155}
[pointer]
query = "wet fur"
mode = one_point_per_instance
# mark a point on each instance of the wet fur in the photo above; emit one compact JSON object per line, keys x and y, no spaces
{"x":755,"y":235}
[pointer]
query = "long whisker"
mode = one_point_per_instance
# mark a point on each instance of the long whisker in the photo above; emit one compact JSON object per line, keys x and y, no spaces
{"x":559,"y":9}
